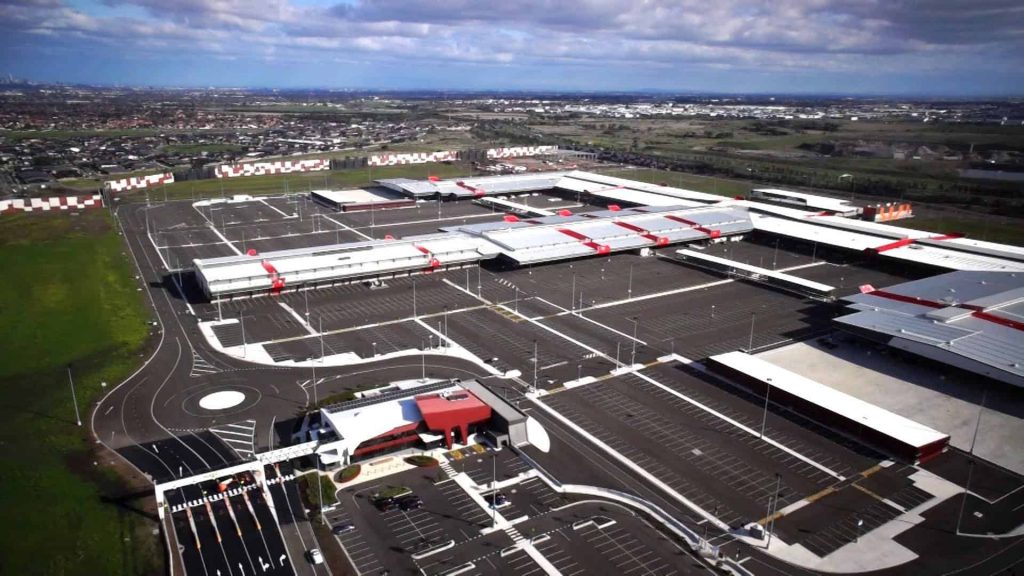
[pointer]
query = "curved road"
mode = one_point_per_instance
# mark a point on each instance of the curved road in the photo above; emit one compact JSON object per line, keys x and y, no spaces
{"x":153,"y":418}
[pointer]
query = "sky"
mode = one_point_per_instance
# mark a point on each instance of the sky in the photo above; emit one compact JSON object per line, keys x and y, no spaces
{"x":855,"y":47}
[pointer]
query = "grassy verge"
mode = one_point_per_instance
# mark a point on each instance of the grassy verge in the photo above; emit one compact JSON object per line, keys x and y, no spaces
{"x":70,"y":299}
{"x":310,"y":494}
{"x":348,"y":473}
{"x":704,"y":184}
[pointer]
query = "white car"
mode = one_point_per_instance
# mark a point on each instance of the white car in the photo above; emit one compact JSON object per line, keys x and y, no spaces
{"x":315,"y":556}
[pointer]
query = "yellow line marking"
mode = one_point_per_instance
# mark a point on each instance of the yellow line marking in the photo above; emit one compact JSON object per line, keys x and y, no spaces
{"x":829,"y":490}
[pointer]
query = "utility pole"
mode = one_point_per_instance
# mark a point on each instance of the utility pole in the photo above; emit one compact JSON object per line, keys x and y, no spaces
{"x":74,"y":397}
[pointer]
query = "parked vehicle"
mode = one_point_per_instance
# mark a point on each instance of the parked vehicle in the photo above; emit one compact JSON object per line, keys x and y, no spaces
{"x":410,"y":502}
{"x":339,"y":529}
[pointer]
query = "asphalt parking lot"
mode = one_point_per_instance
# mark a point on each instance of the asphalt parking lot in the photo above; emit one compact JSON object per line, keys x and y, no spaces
{"x":712,"y":462}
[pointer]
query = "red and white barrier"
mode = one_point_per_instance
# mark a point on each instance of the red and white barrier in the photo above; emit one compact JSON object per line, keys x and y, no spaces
{"x":520,"y":151}
{"x":278,"y":167}
{"x":396,"y":159}
{"x":51,"y":203}
{"x":138,"y":182}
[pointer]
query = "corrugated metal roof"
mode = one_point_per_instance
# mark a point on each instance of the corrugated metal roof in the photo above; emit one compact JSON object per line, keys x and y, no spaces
{"x":959,"y":314}
{"x":849,"y":407}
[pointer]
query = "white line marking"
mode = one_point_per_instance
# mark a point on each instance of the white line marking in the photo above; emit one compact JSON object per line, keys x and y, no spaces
{"x":275,"y":208}
{"x":344,"y":227}
{"x":298,"y":317}
{"x":225,"y":240}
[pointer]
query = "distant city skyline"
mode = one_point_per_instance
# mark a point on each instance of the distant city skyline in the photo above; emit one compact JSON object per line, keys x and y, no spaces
{"x":939,"y":48}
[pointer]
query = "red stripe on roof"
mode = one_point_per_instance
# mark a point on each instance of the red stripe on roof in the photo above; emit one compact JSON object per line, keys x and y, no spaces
{"x":892,"y":245}
{"x":999,"y":320}
{"x":908,"y":299}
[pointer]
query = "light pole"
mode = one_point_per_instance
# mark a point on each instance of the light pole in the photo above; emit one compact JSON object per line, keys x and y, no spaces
{"x":320,"y":323}
{"x":770,"y":522}
{"x":632,"y":358}
{"x":572,"y":298}
{"x":764,"y":419}
{"x":579,"y":372}
{"x":712,"y":310}
{"x":414,"y":315}
{"x":305,"y":294}
{"x":74,"y":397}
{"x":241,"y":320}
{"x":536,"y":361}
{"x":970,"y":466}
{"x":629,"y":290}
{"x":750,"y":345}
{"x":494,"y":482}
{"x":423,"y":362}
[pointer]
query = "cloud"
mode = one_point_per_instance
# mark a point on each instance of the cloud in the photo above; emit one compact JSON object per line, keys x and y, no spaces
{"x":812,"y":37}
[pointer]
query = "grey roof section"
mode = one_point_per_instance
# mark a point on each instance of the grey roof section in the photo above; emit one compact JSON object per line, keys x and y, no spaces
{"x":502,"y":407}
{"x":971,"y":288}
{"x":388,"y":396}
{"x":959,"y":321}
{"x":974,"y":248}
{"x":415,"y":188}
{"x":1002,"y":300}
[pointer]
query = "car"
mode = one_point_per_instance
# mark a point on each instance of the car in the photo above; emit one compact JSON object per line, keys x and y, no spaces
{"x":410,"y":502}
{"x":385,"y":504}
{"x":315,"y":556}
{"x":339,"y":529}
{"x":496,"y":499}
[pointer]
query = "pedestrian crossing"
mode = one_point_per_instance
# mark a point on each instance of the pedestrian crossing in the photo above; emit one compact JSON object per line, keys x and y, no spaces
{"x":514,"y":534}
{"x":213,"y":497}
{"x":201,"y":366}
{"x":239,"y":436}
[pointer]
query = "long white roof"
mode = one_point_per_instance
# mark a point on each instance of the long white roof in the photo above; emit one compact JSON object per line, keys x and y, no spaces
{"x":849,"y":407}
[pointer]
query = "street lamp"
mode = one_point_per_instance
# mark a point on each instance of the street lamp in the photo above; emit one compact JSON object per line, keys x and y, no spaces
{"x":629,"y":290}
{"x":636,"y":323}
{"x":750,"y":345}
{"x":764,"y":419}
{"x":241,"y":320}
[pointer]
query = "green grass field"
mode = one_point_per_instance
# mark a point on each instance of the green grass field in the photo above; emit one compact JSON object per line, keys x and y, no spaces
{"x":199,"y":148}
{"x":70,"y":298}
{"x":978,"y":228}
{"x":706,"y":184}
{"x":16,"y":135}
